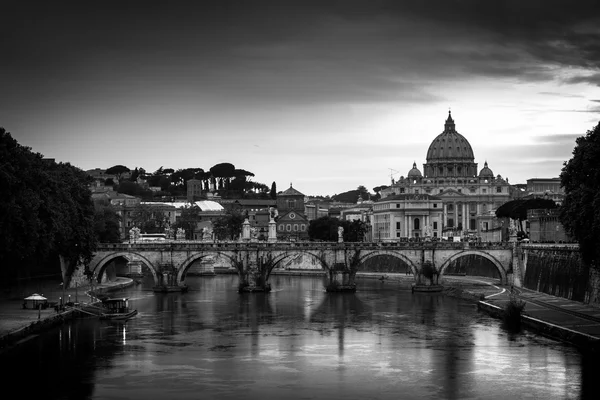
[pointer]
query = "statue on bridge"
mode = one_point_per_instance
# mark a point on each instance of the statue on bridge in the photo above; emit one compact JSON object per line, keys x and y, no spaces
{"x":207,"y":234}
{"x":340,"y":234}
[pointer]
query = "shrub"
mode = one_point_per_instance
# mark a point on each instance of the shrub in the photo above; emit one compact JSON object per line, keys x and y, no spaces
{"x":512,"y":312}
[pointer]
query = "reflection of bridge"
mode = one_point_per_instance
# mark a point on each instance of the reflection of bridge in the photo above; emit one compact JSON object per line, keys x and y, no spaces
{"x":254,"y":261}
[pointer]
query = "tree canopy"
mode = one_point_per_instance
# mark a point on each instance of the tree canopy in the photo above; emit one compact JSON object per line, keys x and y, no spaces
{"x":118,"y":171}
{"x":46,"y":212}
{"x":580,"y":211}
{"x":229,"y":225}
{"x":353,"y":196}
{"x":326,"y":229}
{"x":517,"y":209}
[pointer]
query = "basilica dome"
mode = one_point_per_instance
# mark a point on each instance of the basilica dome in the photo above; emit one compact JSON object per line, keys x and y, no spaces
{"x":486,"y":172}
{"x":414,"y":172}
{"x":450,"y":146}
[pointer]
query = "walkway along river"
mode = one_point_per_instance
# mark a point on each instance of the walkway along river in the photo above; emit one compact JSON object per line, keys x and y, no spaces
{"x":296,"y":342}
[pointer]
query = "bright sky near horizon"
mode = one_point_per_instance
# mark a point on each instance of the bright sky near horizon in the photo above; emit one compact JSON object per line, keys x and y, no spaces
{"x":327,"y":95}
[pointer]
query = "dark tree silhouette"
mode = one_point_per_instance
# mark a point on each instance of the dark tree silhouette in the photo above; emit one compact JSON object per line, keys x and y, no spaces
{"x":118,"y":171}
{"x":273,"y":193}
{"x":580,"y":211}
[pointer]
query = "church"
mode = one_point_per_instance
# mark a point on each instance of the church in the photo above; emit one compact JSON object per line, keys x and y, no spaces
{"x":451,"y":197}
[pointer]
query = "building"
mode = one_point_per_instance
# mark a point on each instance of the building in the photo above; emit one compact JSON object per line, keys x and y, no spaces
{"x":292,"y":223}
{"x":545,"y":226}
{"x":407,"y":215}
{"x":466,"y":197}
{"x":548,"y":188}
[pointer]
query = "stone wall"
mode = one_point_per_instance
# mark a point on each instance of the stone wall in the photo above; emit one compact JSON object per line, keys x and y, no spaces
{"x":560,"y":272}
{"x":593,"y":297}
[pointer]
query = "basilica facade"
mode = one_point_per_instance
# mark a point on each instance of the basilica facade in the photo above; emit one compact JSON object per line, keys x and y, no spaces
{"x":451,"y":197}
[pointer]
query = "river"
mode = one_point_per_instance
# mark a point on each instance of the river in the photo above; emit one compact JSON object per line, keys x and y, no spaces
{"x":297,"y":342}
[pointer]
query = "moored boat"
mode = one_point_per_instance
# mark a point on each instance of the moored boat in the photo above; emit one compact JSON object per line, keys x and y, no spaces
{"x":117,"y":309}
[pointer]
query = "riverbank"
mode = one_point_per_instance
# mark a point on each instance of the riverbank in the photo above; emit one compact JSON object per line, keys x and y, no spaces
{"x":17,"y":325}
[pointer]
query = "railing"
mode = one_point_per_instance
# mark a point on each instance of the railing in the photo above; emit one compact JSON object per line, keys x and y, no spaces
{"x":197,"y":245}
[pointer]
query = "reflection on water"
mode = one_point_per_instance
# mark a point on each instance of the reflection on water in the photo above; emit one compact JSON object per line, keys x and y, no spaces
{"x":296,"y":342}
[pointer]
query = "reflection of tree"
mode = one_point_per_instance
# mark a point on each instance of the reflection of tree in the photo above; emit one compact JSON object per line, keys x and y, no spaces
{"x":342,"y":309}
{"x":41,"y":369}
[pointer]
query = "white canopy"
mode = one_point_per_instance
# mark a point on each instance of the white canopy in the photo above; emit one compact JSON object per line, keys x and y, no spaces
{"x":35,"y":296}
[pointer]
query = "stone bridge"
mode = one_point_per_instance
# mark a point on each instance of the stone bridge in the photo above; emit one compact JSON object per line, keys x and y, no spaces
{"x":254,"y":261}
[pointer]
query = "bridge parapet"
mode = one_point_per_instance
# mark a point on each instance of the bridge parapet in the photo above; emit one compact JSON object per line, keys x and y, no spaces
{"x":271,"y":246}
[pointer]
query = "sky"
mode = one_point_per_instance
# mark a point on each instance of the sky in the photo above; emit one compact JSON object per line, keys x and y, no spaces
{"x":324,"y":95}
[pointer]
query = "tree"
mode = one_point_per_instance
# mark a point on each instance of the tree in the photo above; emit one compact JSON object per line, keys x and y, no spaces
{"x":133,"y":189}
{"x":46,"y":213}
{"x":229,"y":225}
{"x":106,"y":225}
{"x":149,"y":219}
{"x":134,"y":175}
{"x":354,"y":231}
{"x":223,"y":173}
{"x":273,"y":193}
{"x":188,"y":220}
{"x":118,"y":171}
{"x":517,"y":209}
{"x":324,"y":229}
{"x":580,"y":211}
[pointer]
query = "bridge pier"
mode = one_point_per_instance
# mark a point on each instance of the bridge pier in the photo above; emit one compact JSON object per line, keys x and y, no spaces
{"x":340,"y":279}
{"x":167,"y":280}
{"x":253,"y":271}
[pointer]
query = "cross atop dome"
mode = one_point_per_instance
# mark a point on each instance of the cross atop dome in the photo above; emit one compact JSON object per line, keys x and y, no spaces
{"x":449,"y":125}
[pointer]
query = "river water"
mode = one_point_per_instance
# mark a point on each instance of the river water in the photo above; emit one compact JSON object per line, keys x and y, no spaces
{"x":297,"y":342}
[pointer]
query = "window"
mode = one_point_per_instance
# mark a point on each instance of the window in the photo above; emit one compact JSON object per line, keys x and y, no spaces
{"x":397,"y":205}
{"x":397,"y":234}
{"x":471,"y":224}
{"x":450,"y":207}
{"x":499,"y":189}
{"x":401,"y":190}
{"x":472,"y":190}
{"x":288,"y":227}
{"x":434,"y":224}
{"x":483,"y":190}
{"x":459,"y":190}
{"x":417,"y":223}
{"x":397,"y":225}
{"x":416,"y":191}
{"x":291,"y":204}
{"x":450,"y":222}
{"x":434,"y":205}
{"x":295,"y":227}
{"x":280,"y":228}
{"x":302,"y":227}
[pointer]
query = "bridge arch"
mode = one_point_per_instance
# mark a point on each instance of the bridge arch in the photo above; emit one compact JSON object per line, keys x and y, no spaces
{"x":187,"y":263}
{"x":283,"y":255}
{"x":98,"y":267}
{"x":392,"y":253}
{"x":482,"y":254}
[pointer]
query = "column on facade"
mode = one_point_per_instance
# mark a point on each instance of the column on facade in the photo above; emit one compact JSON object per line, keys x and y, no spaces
{"x":405,"y":225}
{"x":464,"y":215}
{"x":445,"y":214}
{"x":455,"y":209}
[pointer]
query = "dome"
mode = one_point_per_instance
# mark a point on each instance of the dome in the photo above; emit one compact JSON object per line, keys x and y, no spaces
{"x":486,"y":172}
{"x":450,"y":146}
{"x":414,"y":172}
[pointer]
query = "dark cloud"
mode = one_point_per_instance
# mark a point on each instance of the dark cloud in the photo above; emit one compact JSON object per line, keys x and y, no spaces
{"x":593,"y":79}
